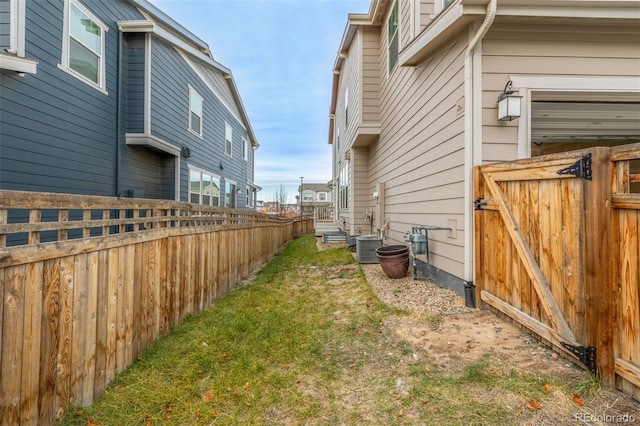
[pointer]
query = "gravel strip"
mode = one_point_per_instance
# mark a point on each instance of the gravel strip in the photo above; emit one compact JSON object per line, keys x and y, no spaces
{"x":415,"y":295}
{"x":406,"y":293}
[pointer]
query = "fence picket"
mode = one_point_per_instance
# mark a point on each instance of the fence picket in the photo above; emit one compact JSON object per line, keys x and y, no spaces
{"x":84,"y":294}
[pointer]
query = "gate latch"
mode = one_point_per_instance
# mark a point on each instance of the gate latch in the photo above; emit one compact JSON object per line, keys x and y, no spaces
{"x":586,"y":355}
{"x":581,"y":168}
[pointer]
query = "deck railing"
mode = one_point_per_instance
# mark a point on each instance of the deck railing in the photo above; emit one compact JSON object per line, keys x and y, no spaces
{"x":323,"y":214}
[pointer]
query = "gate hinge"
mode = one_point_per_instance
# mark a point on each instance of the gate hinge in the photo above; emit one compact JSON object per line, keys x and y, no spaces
{"x":478,"y":203}
{"x":581,"y":168}
{"x":586,"y":355}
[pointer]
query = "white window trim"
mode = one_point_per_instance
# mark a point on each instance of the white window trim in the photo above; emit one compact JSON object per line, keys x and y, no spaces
{"x":193,"y":91}
{"x":14,"y":59}
{"x":228,"y":126}
{"x":17,"y":26}
{"x":415,"y":18}
{"x":64,"y":64}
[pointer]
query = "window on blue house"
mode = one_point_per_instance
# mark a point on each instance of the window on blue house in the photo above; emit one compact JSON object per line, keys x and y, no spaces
{"x":228,"y":139}
{"x":195,"y":111}
{"x":204,"y":188}
{"x":230,"y":194}
{"x":245,"y":149}
{"x":83,"y":44}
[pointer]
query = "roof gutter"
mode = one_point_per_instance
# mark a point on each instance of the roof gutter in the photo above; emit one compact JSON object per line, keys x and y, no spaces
{"x":473,"y":131}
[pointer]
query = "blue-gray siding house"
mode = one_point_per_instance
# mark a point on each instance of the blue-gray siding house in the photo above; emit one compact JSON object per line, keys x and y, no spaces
{"x":115,"y":98}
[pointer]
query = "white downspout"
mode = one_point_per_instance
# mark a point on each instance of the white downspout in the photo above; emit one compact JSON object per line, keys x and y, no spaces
{"x":472,"y":136}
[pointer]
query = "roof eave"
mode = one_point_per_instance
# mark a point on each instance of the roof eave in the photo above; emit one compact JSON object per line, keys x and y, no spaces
{"x":167,"y":20}
{"x":460,"y":14}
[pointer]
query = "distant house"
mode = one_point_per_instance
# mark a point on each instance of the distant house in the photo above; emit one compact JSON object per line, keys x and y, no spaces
{"x":414,"y":106}
{"x":115,"y":98}
{"x":314,"y":195}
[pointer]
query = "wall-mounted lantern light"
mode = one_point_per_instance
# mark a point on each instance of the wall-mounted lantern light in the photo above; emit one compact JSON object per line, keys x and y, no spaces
{"x":508,"y":104}
{"x":185,"y":152}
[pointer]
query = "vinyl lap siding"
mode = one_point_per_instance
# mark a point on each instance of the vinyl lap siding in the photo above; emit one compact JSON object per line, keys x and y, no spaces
{"x":170,"y":80}
{"x":220,"y":86}
{"x":361,"y":191}
{"x":370,"y":75}
{"x":426,"y":13}
{"x":59,"y":134}
{"x":420,"y":154}
{"x":133,"y":83}
{"x":348,"y":121}
{"x":573,"y":51}
{"x":149,"y":174}
{"x":350,"y":79}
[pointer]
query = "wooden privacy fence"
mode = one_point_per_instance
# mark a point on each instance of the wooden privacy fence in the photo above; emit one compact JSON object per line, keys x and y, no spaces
{"x":557,"y":251}
{"x":88,"y":282}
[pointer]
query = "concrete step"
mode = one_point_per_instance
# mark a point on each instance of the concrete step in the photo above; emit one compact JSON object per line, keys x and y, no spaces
{"x":322,"y":227}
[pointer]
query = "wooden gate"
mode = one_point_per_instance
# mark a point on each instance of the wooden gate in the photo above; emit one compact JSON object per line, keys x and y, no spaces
{"x":543,"y":238}
{"x":625,"y":201}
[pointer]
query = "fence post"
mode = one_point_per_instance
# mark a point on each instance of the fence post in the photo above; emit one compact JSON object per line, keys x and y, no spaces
{"x":600,"y":287}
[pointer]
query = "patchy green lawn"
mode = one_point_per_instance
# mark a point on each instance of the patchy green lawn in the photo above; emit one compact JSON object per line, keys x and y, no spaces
{"x":308,"y":342}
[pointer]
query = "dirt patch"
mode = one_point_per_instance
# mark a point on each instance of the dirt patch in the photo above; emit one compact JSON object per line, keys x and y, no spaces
{"x":459,"y":340}
{"x":446,"y":337}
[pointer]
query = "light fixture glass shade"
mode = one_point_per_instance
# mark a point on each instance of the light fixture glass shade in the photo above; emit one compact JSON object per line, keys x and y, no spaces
{"x":508,"y":107}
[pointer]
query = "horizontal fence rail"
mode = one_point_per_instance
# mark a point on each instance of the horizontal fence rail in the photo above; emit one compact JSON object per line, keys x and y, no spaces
{"x":88,"y":282}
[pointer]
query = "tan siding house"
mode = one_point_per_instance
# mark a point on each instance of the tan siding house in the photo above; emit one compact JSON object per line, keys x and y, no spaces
{"x":415,"y":130}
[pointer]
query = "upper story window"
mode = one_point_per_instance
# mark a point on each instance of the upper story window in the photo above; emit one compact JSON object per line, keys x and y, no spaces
{"x":204,"y":188}
{"x":393,"y":37}
{"x":322,"y":196}
{"x":195,"y":112}
{"x":228,"y":138}
{"x":307,"y":196}
{"x":245,"y":149}
{"x":83,"y":45}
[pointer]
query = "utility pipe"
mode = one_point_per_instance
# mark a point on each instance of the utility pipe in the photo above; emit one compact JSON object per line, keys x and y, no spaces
{"x":472,"y":137}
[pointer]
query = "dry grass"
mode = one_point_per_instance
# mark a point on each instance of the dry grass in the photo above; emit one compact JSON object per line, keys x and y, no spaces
{"x":308,"y":342}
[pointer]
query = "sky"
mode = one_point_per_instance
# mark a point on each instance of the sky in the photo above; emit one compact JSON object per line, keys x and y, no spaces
{"x":281,"y":54}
